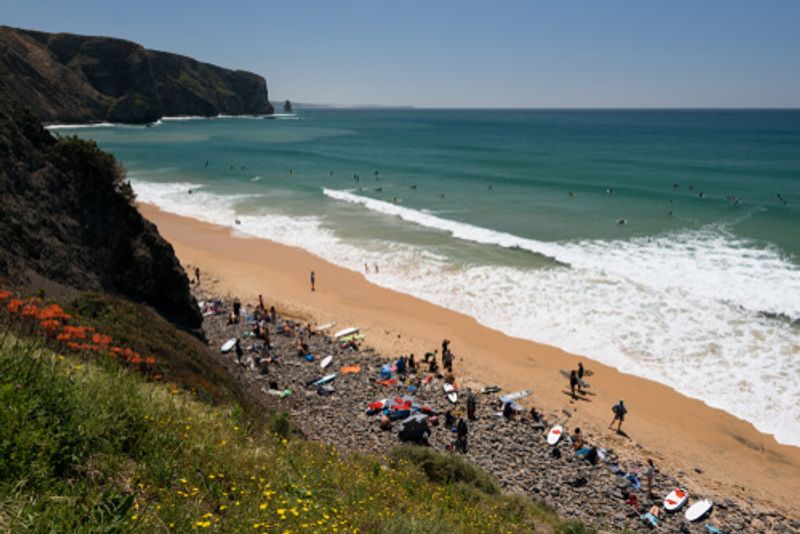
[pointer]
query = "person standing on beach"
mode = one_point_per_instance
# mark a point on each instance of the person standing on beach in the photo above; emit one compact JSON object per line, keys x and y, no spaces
{"x":313,"y":281}
{"x":197,"y":275}
{"x":651,"y":473}
{"x":573,"y":382}
{"x":619,"y":410}
{"x":447,"y":361}
{"x":472,"y":404}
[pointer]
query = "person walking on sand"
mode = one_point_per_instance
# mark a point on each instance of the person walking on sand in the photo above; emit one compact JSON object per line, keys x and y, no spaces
{"x":619,"y":410}
{"x":573,"y":382}
{"x":197,"y":275}
{"x":313,"y":281}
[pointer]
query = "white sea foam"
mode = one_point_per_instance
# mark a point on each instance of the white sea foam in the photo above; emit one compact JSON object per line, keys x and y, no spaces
{"x":681,"y":309}
{"x":710,"y":263}
{"x":93,"y":125}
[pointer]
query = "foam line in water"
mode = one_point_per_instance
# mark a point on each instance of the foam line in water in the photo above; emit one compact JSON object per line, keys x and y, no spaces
{"x":753,"y":276}
{"x":628,"y":304}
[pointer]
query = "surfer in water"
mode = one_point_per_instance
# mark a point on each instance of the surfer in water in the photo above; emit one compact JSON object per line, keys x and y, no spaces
{"x":313,"y":281}
{"x":619,"y":410}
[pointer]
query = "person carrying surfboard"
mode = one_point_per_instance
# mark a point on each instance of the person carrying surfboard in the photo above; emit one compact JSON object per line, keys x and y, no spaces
{"x":619,"y":410}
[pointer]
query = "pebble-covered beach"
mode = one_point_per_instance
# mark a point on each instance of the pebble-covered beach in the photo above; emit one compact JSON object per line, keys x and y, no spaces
{"x":514,"y":452}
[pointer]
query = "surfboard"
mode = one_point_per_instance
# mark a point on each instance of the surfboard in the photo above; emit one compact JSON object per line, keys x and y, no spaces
{"x":554,"y":436}
{"x":699,"y":510}
{"x":452,"y":394}
{"x":490,"y":389}
{"x":324,"y":380}
{"x":326,"y":361}
{"x":515,"y":396}
{"x":675,"y":499}
{"x":346,"y":332}
{"x":325,"y":326}
{"x":228,"y":345}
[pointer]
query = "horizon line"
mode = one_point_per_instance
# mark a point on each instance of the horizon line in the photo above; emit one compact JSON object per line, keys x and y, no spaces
{"x":550,"y":108}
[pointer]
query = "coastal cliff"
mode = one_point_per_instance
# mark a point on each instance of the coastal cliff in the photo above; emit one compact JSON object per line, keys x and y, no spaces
{"x":68,"y":217}
{"x":71,"y":78}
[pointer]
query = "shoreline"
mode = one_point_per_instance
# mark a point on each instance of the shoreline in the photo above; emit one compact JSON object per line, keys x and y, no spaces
{"x":681,"y":434}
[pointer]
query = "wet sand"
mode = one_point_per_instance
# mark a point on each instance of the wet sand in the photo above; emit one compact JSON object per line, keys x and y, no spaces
{"x":682,"y":435}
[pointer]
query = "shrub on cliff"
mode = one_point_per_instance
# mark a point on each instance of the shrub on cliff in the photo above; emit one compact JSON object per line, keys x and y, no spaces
{"x":100,"y":168}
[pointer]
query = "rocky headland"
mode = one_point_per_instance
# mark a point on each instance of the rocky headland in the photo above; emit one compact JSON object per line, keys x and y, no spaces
{"x":67,"y":78}
{"x":69,"y":222}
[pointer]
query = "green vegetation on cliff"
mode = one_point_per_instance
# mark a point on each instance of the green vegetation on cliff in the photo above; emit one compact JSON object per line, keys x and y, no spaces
{"x":86,"y":445}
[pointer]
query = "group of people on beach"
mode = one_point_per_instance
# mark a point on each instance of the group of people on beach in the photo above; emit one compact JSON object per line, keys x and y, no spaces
{"x":413,"y":374}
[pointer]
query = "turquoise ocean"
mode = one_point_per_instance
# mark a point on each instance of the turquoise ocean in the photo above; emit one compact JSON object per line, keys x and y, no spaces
{"x":663,"y":243}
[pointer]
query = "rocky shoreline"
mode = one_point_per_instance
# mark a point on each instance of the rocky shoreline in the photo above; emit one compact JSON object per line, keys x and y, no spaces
{"x":514,"y":452}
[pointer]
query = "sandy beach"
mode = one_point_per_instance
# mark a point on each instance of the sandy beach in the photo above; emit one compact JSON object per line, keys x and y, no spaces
{"x":712,"y":451}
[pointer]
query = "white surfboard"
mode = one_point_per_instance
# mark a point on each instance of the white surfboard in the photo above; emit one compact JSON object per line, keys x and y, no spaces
{"x":699,"y":510}
{"x":228,"y":345}
{"x":452,"y":394}
{"x":325,"y":326}
{"x":675,"y":499}
{"x":515,"y":396}
{"x":346,"y":332}
{"x":554,"y":436}
{"x":324,"y":380}
{"x":326,"y":361}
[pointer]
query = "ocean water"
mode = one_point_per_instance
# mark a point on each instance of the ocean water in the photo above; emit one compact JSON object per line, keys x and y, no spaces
{"x":514,"y":217}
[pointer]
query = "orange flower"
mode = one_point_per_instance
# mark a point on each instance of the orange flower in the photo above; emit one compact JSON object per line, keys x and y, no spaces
{"x":101,"y":339}
{"x":54,"y":311}
{"x":14,"y":305}
{"x":50,"y":325}
{"x":5,"y":294}
{"x":149,"y":360}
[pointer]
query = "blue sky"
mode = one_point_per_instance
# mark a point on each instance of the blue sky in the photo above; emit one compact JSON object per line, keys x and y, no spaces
{"x":443,"y":53}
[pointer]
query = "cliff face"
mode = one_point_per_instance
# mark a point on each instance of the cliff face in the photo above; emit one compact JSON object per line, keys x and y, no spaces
{"x":73,"y":78}
{"x":67,"y":216}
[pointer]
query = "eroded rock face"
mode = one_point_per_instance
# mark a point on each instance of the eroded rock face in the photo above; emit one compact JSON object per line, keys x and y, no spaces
{"x":68,"y":217}
{"x":70,"y":78}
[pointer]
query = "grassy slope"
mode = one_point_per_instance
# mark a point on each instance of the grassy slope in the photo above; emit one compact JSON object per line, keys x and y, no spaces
{"x":86,"y":446}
